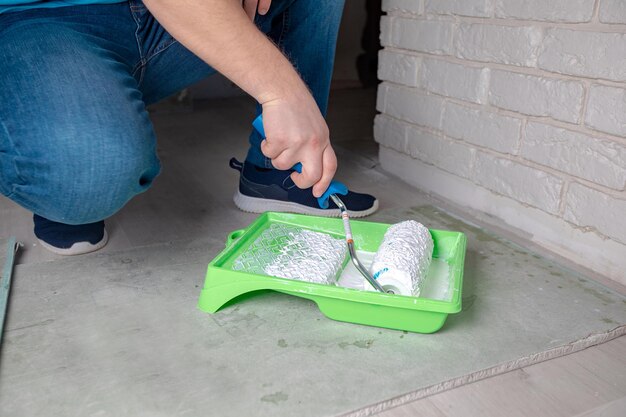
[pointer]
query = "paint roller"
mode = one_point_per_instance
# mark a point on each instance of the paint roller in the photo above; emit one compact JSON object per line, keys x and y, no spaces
{"x":401,"y":262}
{"x":403,"y":258}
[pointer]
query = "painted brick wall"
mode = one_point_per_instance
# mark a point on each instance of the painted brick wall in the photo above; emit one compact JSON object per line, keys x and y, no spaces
{"x":514,"y":108}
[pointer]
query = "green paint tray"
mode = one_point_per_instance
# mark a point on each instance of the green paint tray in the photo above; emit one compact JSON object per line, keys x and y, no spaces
{"x":414,"y":314}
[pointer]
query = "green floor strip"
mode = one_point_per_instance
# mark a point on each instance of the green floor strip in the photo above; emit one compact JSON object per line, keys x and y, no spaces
{"x":6,"y":259}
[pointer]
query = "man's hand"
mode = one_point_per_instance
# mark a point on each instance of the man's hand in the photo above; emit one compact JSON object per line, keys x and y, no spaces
{"x":295,"y":132}
{"x":252,"y":6}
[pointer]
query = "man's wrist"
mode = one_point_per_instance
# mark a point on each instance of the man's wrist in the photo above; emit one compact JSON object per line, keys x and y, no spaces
{"x":290,"y":88}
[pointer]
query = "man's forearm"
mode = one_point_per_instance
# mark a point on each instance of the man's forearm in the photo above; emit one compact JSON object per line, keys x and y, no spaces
{"x":220,"y":33}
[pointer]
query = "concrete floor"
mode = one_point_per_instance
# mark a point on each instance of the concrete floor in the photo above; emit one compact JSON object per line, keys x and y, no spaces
{"x":591,"y":383}
{"x":187,"y":202}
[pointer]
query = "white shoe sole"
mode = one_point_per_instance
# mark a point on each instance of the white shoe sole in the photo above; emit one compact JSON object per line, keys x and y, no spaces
{"x":78,"y":248}
{"x":261,"y":205}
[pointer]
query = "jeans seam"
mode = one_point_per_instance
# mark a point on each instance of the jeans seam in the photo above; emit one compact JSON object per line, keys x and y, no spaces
{"x":145,"y":61}
{"x":159,"y":50}
{"x":284,"y":29}
{"x":18,"y":176}
{"x":140,"y":65}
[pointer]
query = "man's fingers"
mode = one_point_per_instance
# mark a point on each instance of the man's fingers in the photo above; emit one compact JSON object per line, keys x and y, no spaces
{"x":311,"y":173}
{"x":270,"y":149}
{"x":264,"y":6}
{"x":284,"y":161}
{"x":250,"y":6}
{"x":329,"y":161}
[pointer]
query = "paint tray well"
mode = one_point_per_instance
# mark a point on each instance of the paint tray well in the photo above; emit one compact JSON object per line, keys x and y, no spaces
{"x":225,"y":280}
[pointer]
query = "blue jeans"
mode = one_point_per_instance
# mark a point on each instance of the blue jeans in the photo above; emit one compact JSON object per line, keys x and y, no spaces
{"x":76,"y":142}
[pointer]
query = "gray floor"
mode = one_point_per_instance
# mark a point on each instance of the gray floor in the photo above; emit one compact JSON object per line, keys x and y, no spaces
{"x":191,"y":202}
{"x":591,"y":383}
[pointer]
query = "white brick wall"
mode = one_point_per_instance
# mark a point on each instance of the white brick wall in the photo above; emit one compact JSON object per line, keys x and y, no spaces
{"x":404,"y":6}
{"x":520,"y":182}
{"x":445,"y":154}
{"x":587,"y":207}
{"x":481,"y":127}
{"x":595,"y":159}
{"x":414,"y":106}
{"x":398,"y":67}
{"x":385,"y":30}
{"x":495,"y":43}
{"x":606,"y":109}
{"x":546,"y":10}
{"x":613,"y":11}
{"x":432,"y":36}
{"x":478,"y":8}
{"x":520,"y":102}
{"x":391,"y":132}
{"x":454,"y":80}
{"x":536,"y":96}
{"x":588,"y":54}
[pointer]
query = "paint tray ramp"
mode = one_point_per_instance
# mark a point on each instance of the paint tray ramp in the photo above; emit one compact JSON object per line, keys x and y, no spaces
{"x":421,"y":314}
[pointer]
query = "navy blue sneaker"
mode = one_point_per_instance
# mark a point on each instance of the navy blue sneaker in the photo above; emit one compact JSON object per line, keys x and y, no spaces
{"x":266,"y":189}
{"x":67,"y":239}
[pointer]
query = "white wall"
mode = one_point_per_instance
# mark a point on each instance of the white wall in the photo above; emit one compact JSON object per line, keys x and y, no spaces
{"x":515,"y":108}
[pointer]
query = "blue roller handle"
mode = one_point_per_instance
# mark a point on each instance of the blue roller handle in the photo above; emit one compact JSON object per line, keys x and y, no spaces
{"x":335,"y":187}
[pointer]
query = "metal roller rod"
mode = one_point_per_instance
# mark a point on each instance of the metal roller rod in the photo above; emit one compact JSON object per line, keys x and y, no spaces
{"x":355,"y":260}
